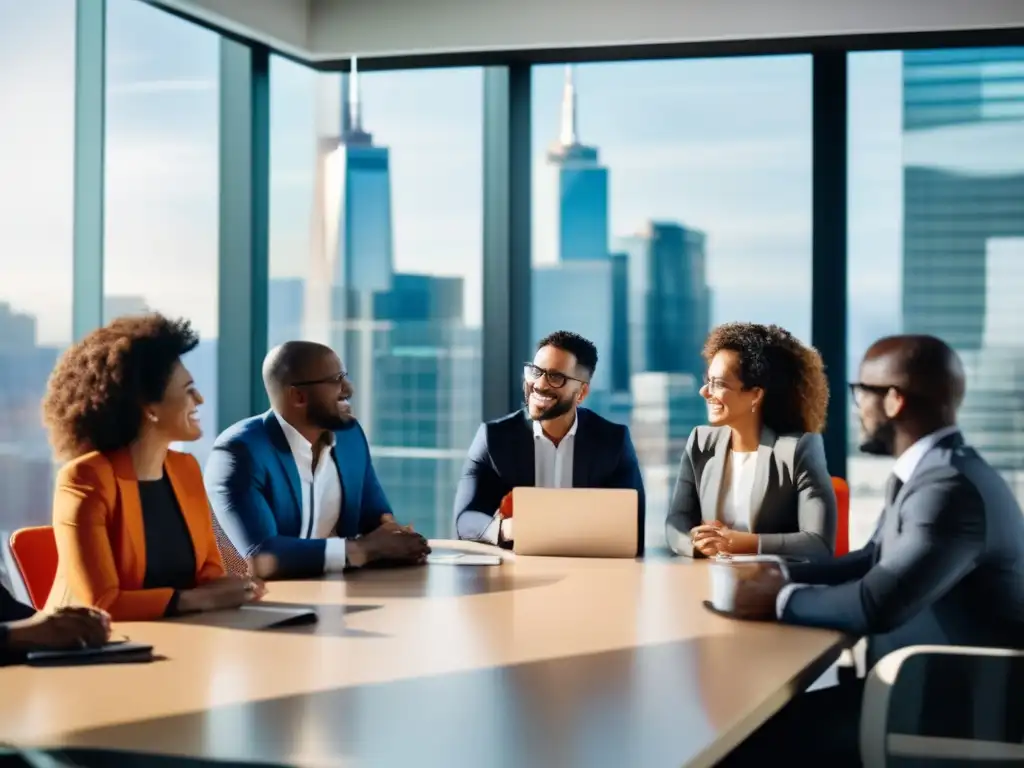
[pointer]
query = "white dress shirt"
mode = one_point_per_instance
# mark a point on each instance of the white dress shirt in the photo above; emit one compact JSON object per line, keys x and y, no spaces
{"x":552,"y":464}
{"x":552,"y":468}
{"x":322,"y":495}
{"x":904,"y":470}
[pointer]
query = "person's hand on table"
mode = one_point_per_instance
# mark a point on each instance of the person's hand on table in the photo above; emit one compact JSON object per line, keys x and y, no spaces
{"x":711,"y":538}
{"x":389,"y":541}
{"x":219,"y":594}
{"x":756,"y":594}
{"x":505,"y":515}
{"x":707,"y":538}
{"x":389,"y":523}
{"x":66,"y":628}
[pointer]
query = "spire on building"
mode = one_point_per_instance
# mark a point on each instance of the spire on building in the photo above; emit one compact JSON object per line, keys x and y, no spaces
{"x":567,"y":148}
{"x":356,"y":121}
{"x":352,"y":114}
{"x":346,"y":116}
{"x":569,"y":136}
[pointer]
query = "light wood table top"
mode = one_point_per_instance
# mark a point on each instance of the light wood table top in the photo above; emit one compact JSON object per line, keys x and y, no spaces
{"x":537,"y":662}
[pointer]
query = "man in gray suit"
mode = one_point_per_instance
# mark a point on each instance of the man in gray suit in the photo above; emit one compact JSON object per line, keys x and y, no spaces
{"x":945,"y":565}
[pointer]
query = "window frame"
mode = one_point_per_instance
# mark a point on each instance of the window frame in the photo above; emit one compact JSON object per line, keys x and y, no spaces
{"x":243,"y":261}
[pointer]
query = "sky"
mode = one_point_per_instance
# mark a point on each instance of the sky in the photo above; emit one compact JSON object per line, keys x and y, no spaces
{"x":723,"y":145}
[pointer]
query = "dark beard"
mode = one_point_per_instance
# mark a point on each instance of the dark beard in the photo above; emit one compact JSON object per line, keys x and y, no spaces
{"x":331,"y":421}
{"x":882,"y":442}
{"x":560,"y":407}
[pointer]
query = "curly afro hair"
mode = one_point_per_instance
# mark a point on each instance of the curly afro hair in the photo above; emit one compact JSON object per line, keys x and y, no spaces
{"x":96,"y":393}
{"x":791,"y":374}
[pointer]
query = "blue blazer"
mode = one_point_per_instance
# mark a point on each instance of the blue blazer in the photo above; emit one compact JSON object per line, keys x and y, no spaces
{"x":501,"y":458}
{"x":255,"y":491}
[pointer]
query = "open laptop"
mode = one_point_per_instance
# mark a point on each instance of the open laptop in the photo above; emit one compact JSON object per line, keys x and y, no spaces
{"x":575,"y":522}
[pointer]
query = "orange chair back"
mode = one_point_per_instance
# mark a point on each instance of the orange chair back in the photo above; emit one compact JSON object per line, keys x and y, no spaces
{"x":842,"y":490}
{"x":35,"y":554}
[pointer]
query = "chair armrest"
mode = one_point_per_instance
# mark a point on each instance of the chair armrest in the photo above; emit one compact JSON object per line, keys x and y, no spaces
{"x":897,"y":681}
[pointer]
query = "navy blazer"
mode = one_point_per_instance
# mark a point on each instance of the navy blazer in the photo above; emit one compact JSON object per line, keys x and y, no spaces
{"x":945,"y":565}
{"x":255,"y":491}
{"x":501,"y":458}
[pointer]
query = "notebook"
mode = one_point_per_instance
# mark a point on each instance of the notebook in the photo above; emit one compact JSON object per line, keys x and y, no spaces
{"x":252,"y":617}
{"x":113,"y":653}
{"x":462,"y":558}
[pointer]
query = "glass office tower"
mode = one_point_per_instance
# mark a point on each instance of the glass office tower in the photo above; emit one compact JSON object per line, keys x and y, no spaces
{"x":963,"y":233}
{"x":582,"y":187}
{"x":351,"y":239}
{"x":669,"y":299}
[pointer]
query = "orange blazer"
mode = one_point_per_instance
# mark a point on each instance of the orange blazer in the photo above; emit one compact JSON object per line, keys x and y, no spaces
{"x":101,"y":544}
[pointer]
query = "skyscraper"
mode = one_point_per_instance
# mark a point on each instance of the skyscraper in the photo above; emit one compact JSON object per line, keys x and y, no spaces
{"x":578,"y":296}
{"x":963,"y":230}
{"x":352,"y":256}
{"x":669,"y":307}
{"x":583,"y":263}
{"x":427,"y":399}
{"x":963,"y":175}
{"x":582,"y":187}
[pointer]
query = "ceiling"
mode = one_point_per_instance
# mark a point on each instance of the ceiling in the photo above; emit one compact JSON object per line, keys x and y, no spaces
{"x":321,"y":31}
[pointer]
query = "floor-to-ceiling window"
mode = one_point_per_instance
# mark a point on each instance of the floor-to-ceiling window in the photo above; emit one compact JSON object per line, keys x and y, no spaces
{"x":162,"y":144}
{"x":669,"y":197}
{"x":936,"y":222}
{"x":375,"y":250}
{"x":37,"y":107}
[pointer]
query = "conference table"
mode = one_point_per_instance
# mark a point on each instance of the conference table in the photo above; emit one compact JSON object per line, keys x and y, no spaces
{"x":535,"y":662}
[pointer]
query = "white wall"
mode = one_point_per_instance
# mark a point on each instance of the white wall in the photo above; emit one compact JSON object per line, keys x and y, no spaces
{"x":331,"y":29}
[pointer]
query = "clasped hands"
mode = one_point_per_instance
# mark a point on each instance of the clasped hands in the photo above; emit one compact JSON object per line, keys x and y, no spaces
{"x":714,"y":537}
{"x":389,"y":541}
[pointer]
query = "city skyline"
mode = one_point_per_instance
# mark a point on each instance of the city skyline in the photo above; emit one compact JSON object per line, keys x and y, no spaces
{"x":736,"y":130}
{"x":677,"y":191}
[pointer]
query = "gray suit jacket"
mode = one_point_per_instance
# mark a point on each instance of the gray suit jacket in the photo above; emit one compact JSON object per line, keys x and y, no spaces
{"x":944,"y":567}
{"x":793,"y":508}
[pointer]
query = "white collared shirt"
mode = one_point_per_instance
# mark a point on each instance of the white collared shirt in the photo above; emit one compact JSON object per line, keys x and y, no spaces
{"x":322,"y":495}
{"x":904,"y":470}
{"x":552,"y":464}
{"x":907,"y":463}
{"x":552,"y":468}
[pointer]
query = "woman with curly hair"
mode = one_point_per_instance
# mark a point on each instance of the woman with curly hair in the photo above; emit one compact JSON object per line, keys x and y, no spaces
{"x":131,"y":518}
{"x":755,"y":480}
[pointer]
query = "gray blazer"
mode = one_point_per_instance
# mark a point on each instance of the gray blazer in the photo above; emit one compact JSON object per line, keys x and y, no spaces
{"x":945,"y":565}
{"x":793,"y":503}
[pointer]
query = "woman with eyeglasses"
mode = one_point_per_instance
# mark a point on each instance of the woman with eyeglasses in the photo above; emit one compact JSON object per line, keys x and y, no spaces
{"x":132,"y":522}
{"x":755,"y":480}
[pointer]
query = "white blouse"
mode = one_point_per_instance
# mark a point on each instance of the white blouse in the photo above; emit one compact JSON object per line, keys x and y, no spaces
{"x":737,"y":488}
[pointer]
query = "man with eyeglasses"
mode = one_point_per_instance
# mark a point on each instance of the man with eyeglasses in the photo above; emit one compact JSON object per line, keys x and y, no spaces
{"x":294,"y":489}
{"x":945,"y":565}
{"x":551,"y":443}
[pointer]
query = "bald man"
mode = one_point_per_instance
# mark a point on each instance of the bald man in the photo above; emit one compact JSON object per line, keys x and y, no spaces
{"x":945,"y":565}
{"x":294,"y":488}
